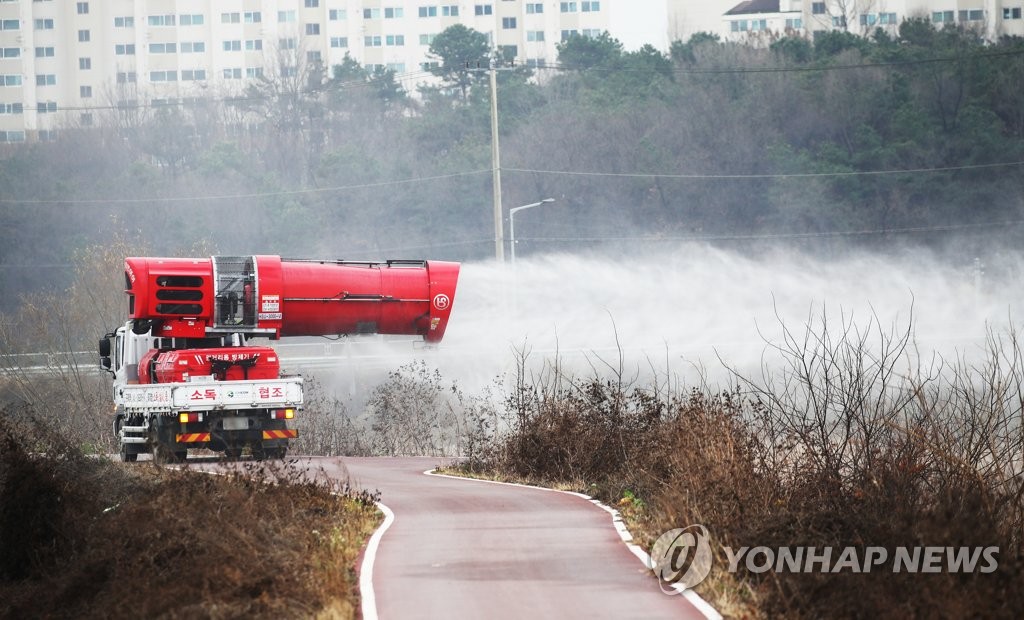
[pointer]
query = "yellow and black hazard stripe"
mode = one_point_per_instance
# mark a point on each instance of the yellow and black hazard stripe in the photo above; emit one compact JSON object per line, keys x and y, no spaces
{"x":281,"y":434}
{"x":192,"y":437}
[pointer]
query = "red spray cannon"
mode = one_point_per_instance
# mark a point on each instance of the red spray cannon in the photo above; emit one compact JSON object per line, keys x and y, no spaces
{"x":271,"y":296}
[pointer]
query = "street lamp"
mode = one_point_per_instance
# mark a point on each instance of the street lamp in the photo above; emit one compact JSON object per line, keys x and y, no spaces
{"x":512,"y":223}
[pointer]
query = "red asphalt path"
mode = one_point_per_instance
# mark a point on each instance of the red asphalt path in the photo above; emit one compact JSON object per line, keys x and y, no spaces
{"x":471,"y":549}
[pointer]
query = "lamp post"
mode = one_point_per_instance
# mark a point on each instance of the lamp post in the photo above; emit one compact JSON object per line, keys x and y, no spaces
{"x":512,"y":223}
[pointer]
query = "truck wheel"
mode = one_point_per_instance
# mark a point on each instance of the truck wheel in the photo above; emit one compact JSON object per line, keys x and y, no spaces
{"x":126,"y":456}
{"x":163,"y":454}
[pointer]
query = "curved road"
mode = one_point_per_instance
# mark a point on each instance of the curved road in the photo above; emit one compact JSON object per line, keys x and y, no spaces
{"x":471,"y":549}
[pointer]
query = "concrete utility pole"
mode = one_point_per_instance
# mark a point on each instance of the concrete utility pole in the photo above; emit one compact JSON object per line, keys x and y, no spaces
{"x":499,"y":233}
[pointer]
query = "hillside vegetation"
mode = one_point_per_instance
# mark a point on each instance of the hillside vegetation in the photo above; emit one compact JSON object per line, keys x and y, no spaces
{"x":800,"y":141}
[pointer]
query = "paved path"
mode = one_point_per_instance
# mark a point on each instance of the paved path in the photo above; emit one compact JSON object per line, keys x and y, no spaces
{"x":471,"y":549}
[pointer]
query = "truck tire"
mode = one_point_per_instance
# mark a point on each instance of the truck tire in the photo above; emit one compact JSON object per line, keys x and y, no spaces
{"x":163,"y":454}
{"x":126,"y":455}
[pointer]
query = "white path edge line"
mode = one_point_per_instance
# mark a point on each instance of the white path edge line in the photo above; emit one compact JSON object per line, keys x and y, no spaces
{"x":366,"y":593}
{"x":694,"y":599}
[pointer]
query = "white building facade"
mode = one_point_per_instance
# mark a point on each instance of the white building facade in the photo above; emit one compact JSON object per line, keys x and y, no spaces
{"x":758,"y":21}
{"x":61,"y":60}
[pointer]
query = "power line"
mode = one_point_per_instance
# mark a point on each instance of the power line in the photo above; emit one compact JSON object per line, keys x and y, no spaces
{"x":800,"y":69}
{"x":776,"y":236}
{"x":782,"y":175}
{"x":292,"y":192}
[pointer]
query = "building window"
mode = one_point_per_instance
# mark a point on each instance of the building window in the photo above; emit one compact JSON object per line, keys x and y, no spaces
{"x":44,"y":52}
{"x":46,"y":79}
{"x":483,"y":9}
{"x":534,"y":35}
{"x":972,"y":15}
{"x":232,"y":46}
{"x":794,"y":23}
{"x":10,"y":80}
{"x":233,"y":74}
{"x":590,"y":7}
{"x":450,"y":10}
{"x":394,"y":13}
{"x":508,"y":23}
{"x":312,"y":29}
{"x":567,"y":7}
{"x":337,"y":14}
{"x":230,"y":18}
{"x":536,"y":63}
{"x":568,"y":33}
{"x":195,"y":19}
{"x":11,"y":108}
{"x":193,"y":75}
{"x":83,"y":8}
{"x":314,"y":56}
{"x":839,"y":21}
{"x":427,"y":39}
{"x":46,"y":107}
{"x":254,"y":72}
{"x":85,"y":92}
{"x":84,"y":64}
{"x":163,"y":48}
{"x":289,"y":70}
{"x":818,"y":8}
{"x":83,"y":36}
{"x":371,"y":13}
{"x":428,"y":11}
{"x":193,"y":47}
{"x":759,"y":25}
{"x":372,"y":41}
{"x":12,"y":136}
{"x":126,"y":77}
{"x":11,"y":52}
{"x":126,"y":49}
{"x":1012,"y":13}
{"x":339,"y":41}
{"x":161,"y":20}
{"x":124,"y":22}
{"x":534,"y":7}
{"x":47,"y":135}
{"x":286,"y":44}
{"x":10,"y":24}
{"x":253,"y":17}
{"x":942,"y":17}
{"x":252,"y":45}
{"x":394,"y":40}
{"x":312,"y":4}
{"x":284,"y":17}
{"x":41,"y":24}
{"x":163,"y":76}
{"x":887,"y":18}
{"x":739,"y":25}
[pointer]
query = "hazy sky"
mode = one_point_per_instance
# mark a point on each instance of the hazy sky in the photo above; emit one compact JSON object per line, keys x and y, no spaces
{"x":648,"y":21}
{"x":639,"y":22}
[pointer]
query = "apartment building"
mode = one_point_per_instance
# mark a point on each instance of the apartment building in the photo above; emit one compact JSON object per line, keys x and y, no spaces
{"x":62,"y":61}
{"x":762,"y":20}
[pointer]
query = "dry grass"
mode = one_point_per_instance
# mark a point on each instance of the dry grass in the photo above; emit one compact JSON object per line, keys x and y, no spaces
{"x":84,"y":537}
{"x":845,"y":443}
